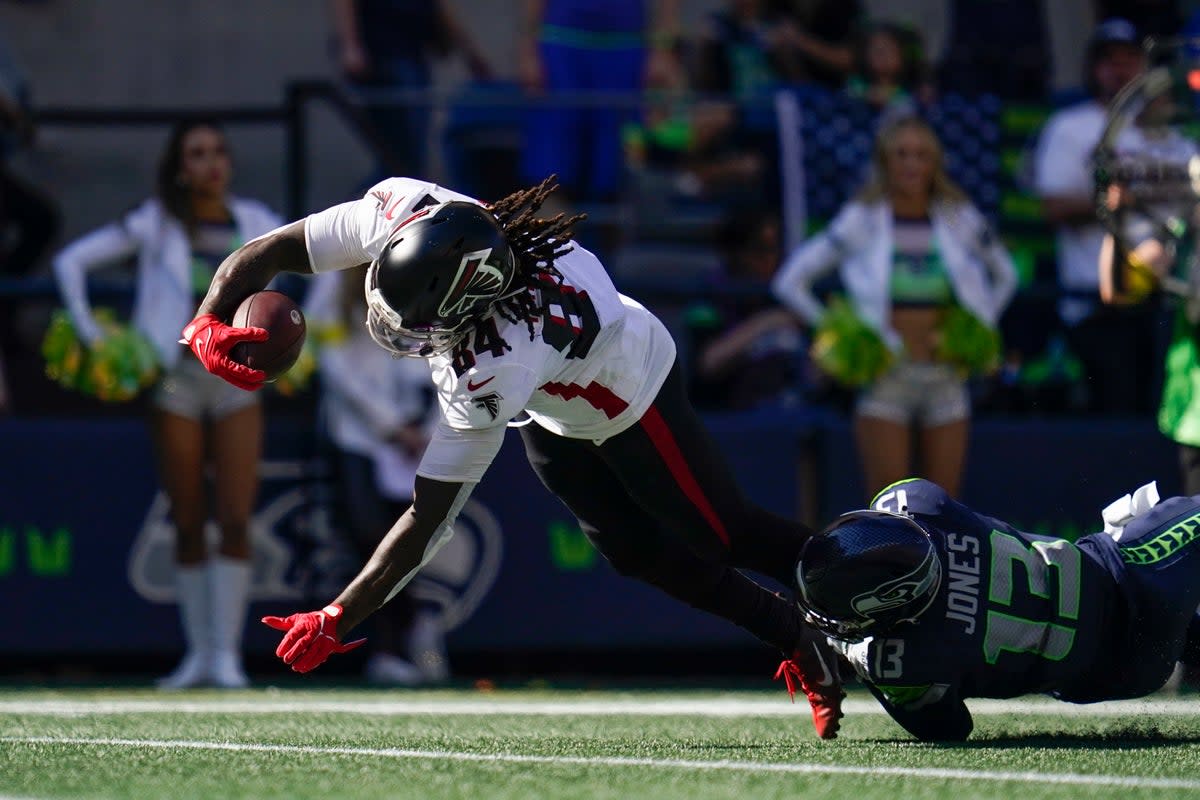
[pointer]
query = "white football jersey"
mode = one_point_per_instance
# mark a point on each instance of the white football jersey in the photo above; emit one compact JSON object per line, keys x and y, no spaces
{"x":354,"y":233}
{"x":594,"y":363}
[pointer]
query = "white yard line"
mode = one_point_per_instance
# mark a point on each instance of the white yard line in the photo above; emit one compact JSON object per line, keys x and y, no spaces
{"x":281,"y":703}
{"x":932,"y":773}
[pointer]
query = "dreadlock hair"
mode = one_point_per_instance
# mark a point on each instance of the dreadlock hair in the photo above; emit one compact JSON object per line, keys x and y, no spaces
{"x":536,"y":243}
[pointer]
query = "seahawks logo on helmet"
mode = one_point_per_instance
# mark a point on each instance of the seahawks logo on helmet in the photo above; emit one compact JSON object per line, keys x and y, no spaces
{"x":867,"y":572}
{"x":899,"y":592}
{"x":476,"y":282}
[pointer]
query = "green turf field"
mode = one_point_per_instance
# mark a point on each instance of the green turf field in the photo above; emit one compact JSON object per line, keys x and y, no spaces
{"x":546,"y":743}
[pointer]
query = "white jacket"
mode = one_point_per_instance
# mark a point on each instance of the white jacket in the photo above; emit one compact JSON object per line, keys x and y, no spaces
{"x":859,"y":241}
{"x":163,"y":303}
{"x":366,"y":394}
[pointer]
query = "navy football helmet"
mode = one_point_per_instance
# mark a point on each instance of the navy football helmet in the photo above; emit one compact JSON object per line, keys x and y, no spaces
{"x":441,"y":270}
{"x":867,"y":572}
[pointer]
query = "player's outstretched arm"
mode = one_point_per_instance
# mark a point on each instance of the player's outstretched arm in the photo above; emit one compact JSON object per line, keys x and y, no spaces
{"x":245,"y":271}
{"x":312,"y":637}
{"x":252,"y":266}
{"x":408,"y":546}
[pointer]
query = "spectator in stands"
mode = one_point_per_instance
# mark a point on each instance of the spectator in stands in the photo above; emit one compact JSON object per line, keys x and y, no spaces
{"x":889,"y":68}
{"x":740,"y":58}
{"x":999,"y":47}
{"x":748,"y":351}
{"x":738,"y":51}
{"x":376,"y":415}
{"x":1157,"y":18}
{"x":179,"y":237}
{"x":697,"y":142}
{"x":590,"y":46}
{"x":816,"y":39}
{"x":1129,"y":273}
{"x":1111,"y":342}
{"x":908,"y":248}
{"x":28,"y":218}
{"x":391,"y":45}
{"x":699,"y":146}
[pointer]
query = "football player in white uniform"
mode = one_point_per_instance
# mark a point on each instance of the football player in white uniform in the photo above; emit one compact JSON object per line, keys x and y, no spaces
{"x":514,"y":317}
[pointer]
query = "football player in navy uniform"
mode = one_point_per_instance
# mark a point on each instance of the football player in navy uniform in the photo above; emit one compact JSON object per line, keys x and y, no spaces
{"x":515,"y":318}
{"x":933,"y":603}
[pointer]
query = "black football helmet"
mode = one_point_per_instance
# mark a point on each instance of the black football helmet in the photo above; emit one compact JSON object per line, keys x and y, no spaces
{"x":441,"y":270}
{"x":865,"y":573}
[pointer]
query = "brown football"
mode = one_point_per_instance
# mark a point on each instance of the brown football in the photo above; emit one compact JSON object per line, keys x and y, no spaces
{"x":284,"y":323}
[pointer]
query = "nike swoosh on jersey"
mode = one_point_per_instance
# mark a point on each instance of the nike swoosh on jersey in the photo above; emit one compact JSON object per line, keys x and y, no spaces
{"x":473,"y":386}
{"x":410,"y":218}
{"x":391,"y":211}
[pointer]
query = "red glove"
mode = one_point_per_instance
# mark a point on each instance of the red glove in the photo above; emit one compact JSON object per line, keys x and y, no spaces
{"x":310,"y":637}
{"x":211,"y":340}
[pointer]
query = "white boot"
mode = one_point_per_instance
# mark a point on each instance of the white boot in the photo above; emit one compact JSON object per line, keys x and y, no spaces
{"x":384,"y":669}
{"x":427,"y":647}
{"x":229,"y":584}
{"x":191,"y":586}
{"x":1175,"y":682}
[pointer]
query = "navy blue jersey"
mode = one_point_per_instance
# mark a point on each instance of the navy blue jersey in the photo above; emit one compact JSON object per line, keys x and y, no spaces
{"x":1019,"y":613}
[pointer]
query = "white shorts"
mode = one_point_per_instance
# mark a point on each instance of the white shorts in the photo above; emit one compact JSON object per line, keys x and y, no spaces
{"x":927,"y":394}
{"x":191,"y":391}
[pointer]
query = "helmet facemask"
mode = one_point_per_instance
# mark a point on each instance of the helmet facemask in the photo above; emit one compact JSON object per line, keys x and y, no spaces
{"x":438,"y":274}
{"x":389,"y":331}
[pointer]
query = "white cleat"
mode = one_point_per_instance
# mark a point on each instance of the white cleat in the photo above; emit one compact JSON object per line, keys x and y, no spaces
{"x":227,"y":672}
{"x":1174,"y":683}
{"x":195,"y":670}
{"x":388,"y":670}
{"x":427,"y":646}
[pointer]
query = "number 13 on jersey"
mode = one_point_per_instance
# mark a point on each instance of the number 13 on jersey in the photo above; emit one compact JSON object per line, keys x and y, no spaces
{"x":1013,"y":633}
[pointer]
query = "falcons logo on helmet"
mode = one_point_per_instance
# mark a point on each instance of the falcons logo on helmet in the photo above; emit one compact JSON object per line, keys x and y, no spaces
{"x":489,"y":402}
{"x":476,"y":281}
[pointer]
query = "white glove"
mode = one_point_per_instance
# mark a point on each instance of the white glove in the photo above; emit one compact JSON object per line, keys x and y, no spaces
{"x":1120,"y":512}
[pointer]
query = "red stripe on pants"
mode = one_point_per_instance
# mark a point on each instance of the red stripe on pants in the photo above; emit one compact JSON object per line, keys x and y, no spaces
{"x":652,"y":422}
